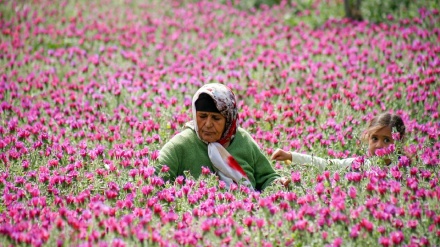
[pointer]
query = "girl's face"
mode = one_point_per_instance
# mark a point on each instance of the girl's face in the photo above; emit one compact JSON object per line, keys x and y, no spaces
{"x":382,"y":138}
{"x":211,"y":125}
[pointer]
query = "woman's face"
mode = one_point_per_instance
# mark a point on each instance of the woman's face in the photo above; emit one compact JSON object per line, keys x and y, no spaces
{"x":211,"y":125}
{"x":382,"y":138}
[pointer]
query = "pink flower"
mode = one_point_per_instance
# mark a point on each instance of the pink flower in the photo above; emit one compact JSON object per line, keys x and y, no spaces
{"x":155,"y":154}
{"x":412,"y":224}
{"x":260,"y":223}
{"x":352,"y":192}
{"x":338,"y":242}
{"x":296,"y":177}
{"x":397,"y":237}
{"x":164,"y":169}
{"x":365,"y":223}
{"x":354,"y":176}
{"x":147,"y":172}
{"x":385,"y":151}
{"x":239,"y":231}
{"x":354,"y":231}
{"x":180,"y":180}
{"x":248,"y":221}
{"x":25,"y":164}
{"x":412,"y":183}
{"x":319,"y":188}
{"x":398,"y":223}
{"x":384,"y":241}
{"x":404,"y":161}
{"x":205,"y":170}
{"x":381,"y":229}
{"x":357,"y":163}
{"x":301,"y":224}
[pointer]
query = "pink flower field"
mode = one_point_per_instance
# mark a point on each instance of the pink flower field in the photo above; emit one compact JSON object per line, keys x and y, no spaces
{"x":91,"y":90}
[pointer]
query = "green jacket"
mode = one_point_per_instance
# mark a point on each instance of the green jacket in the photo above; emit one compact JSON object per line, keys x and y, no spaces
{"x":186,"y":152}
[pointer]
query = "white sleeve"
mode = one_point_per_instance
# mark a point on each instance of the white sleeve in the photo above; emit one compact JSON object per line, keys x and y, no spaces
{"x":299,"y":158}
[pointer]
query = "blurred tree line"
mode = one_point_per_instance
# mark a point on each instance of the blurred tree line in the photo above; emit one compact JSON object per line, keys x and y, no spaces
{"x":358,"y":10}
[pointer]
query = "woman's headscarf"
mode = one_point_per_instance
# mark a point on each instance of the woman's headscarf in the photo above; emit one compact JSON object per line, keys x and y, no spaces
{"x":227,"y":167}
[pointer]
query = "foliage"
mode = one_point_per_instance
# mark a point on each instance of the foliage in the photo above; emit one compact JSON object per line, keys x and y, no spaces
{"x":386,"y":11}
{"x":252,"y":4}
{"x":314,"y":13}
{"x":317,"y":13}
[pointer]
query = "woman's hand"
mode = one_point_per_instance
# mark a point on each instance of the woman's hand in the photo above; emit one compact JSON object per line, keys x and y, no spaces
{"x":282,"y":181}
{"x":281,"y":155}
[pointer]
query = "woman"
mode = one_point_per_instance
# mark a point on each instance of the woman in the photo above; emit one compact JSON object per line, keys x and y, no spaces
{"x":214,"y":140}
{"x":379,"y":135}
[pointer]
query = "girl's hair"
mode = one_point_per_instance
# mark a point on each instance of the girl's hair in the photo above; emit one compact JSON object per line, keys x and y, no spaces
{"x":393,"y":121}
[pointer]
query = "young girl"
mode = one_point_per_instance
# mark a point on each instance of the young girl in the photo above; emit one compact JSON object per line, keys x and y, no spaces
{"x":378,"y":135}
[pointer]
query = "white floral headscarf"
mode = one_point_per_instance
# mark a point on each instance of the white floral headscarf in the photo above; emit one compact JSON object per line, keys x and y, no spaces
{"x":224,"y":100}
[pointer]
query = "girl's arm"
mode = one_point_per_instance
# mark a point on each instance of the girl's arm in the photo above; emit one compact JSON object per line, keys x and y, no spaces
{"x":299,"y":158}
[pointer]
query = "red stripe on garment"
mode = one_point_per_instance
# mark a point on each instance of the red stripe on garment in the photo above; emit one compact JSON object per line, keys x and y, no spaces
{"x":234,"y":165}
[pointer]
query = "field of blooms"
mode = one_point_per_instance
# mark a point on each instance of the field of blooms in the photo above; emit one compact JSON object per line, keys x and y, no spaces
{"x":91,"y":90}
